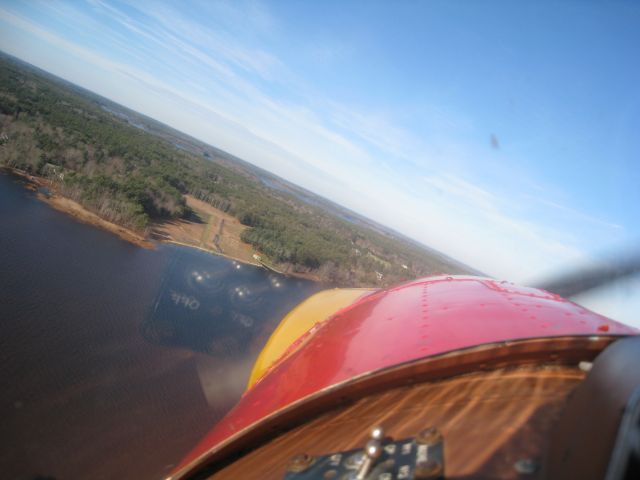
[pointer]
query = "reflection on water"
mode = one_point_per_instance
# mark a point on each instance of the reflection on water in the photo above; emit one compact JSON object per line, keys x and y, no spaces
{"x":223,"y":309}
{"x":216,"y":306}
{"x":115,"y":360}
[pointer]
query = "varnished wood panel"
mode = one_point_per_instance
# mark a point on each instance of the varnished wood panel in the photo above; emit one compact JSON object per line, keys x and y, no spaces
{"x":489,"y":421}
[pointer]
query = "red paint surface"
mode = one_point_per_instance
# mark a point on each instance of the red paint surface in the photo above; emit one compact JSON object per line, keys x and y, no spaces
{"x":423,"y":318}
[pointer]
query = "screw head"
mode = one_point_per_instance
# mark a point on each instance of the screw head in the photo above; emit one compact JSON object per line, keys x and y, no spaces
{"x":526,"y":466}
{"x":377,"y":433}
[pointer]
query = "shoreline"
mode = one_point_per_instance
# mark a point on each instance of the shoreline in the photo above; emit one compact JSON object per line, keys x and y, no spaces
{"x":303,"y":276}
{"x":75,"y":210}
{"x":78,"y":212}
{"x":212,"y":252}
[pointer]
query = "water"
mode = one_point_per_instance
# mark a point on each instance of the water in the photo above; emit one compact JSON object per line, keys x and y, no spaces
{"x":115,"y":360}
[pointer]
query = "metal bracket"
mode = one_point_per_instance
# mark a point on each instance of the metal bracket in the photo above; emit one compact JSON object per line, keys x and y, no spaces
{"x":382,"y":458}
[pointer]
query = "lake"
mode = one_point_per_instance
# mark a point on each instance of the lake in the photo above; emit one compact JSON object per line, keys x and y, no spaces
{"x":115,"y":360}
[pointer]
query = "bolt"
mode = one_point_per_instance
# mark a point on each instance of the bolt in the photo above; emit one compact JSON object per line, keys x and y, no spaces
{"x":373,"y":449}
{"x":300,"y":462}
{"x":428,"y":469}
{"x":429,"y":436}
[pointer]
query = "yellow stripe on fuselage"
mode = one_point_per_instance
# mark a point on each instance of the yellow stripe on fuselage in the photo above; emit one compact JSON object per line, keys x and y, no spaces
{"x":298,"y":321}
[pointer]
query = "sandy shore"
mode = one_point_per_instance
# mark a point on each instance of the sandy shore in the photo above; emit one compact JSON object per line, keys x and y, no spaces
{"x":83,"y":215}
{"x":77,"y":211}
{"x":198,"y":235}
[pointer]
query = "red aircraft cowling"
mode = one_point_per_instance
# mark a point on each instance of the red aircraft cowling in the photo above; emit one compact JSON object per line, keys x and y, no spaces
{"x":419,"y":319}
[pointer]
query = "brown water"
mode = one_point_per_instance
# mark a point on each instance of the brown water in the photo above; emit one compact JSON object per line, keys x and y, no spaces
{"x":115,"y":360}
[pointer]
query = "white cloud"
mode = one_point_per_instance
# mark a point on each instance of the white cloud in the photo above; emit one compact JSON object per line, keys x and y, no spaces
{"x":575,"y":213}
{"x":217,"y":91}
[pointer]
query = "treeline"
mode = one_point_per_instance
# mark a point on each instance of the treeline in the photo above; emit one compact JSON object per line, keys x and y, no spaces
{"x":121,"y":172}
{"x":134,"y":178}
{"x":131,"y":202}
{"x":287,"y":236}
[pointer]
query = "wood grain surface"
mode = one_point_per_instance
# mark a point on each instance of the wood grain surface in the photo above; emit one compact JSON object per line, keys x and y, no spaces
{"x":489,"y":421}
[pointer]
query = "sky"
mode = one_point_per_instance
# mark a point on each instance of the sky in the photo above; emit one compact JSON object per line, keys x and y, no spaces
{"x":504,"y":134}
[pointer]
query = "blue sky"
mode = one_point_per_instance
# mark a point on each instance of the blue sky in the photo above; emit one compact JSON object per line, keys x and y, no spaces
{"x":505,"y":134}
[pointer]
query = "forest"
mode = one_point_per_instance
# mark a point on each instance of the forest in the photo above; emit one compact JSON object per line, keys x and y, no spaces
{"x":134,"y":178}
